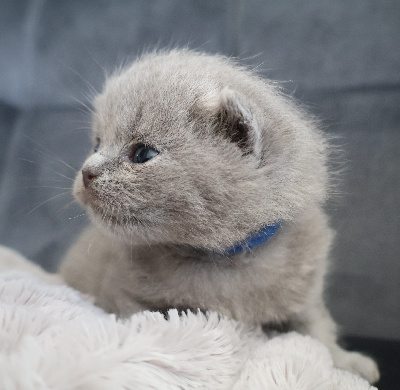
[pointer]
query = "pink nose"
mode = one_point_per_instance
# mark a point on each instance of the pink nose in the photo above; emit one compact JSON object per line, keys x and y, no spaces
{"x":87,"y":176}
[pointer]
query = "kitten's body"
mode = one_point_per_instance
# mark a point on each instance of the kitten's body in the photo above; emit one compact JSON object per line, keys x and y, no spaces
{"x":234,"y":156}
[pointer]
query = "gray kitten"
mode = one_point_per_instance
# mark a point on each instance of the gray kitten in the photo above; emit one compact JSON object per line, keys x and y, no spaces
{"x":206,"y":190}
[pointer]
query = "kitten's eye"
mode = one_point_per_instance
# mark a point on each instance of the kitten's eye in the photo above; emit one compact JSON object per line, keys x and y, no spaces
{"x":97,"y":146}
{"x":142,"y":153}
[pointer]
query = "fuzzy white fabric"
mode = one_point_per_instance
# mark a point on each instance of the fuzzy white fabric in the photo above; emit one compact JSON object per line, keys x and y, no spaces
{"x":52,"y":338}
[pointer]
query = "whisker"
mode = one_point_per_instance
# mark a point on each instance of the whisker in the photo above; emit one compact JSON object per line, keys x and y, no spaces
{"x":69,"y":204}
{"x":66,"y":177}
{"x":55,"y":188}
{"x":56,"y":172}
{"x":48,"y":155}
{"x":79,"y":107}
{"x":98,"y":63}
{"x":47,"y":201}
{"x":30,"y":161}
{"x":88,"y":123}
{"x":81,"y":103}
{"x":91,"y":242}
{"x":46,"y":180}
{"x":87,"y":82}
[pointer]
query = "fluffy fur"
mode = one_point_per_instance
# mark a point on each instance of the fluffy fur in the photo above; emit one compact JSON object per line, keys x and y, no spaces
{"x":234,"y":156}
{"x":51,"y":338}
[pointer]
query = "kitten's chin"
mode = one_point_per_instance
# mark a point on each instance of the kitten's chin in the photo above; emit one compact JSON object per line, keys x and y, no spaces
{"x":119,"y":227}
{"x":132,"y":234}
{"x":81,"y":195}
{"x":92,"y":202}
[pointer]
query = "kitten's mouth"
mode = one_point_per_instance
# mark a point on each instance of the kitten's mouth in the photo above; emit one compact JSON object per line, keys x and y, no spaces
{"x":110,"y":214}
{"x":95,"y":203}
{"x":107,"y":212}
{"x":89,"y":199}
{"x":105,"y":216}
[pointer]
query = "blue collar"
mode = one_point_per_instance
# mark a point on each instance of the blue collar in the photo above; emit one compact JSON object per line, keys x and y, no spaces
{"x":254,"y":240}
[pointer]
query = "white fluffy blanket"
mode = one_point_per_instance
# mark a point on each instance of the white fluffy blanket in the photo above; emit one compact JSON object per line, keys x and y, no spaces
{"x":52,"y":338}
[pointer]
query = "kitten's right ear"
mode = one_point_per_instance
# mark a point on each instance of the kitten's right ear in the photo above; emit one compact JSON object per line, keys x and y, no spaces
{"x":234,"y":117}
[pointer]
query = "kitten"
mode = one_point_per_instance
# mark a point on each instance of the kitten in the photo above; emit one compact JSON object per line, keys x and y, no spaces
{"x":206,"y":189}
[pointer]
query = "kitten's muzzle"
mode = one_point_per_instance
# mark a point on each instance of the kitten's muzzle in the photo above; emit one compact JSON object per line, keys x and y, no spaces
{"x":88,"y":175}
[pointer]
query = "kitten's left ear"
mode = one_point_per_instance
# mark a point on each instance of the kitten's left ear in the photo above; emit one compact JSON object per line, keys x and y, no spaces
{"x":235,"y":117}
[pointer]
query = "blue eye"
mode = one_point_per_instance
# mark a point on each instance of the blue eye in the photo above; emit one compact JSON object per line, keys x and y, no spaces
{"x":97,"y":146}
{"x":142,"y":153}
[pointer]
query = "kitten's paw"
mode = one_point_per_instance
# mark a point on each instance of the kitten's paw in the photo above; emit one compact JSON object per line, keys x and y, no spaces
{"x":358,"y":364}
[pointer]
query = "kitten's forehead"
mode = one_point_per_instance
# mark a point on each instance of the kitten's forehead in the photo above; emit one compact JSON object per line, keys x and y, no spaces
{"x":154,"y":97}
{"x":145,"y":109}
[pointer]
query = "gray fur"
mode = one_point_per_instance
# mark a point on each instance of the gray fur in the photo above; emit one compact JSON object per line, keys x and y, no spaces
{"x":235,"y":155}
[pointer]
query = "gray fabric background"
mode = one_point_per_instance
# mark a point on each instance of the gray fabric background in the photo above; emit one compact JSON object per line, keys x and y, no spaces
{"x":340,"y":58}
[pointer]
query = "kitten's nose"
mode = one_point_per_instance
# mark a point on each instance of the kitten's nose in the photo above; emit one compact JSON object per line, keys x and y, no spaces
{"x":88,"y":176}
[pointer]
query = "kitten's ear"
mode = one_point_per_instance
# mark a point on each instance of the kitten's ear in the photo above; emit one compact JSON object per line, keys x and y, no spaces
{"x":235,"y":118}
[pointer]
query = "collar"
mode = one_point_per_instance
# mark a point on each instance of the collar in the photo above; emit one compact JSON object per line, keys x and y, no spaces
{"x":255,"y":240}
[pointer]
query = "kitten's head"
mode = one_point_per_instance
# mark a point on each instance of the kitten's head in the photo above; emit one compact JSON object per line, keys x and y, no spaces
{"x":192,"y":149}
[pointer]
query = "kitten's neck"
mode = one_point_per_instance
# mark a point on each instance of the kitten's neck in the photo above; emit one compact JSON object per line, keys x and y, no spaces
{"x":255,"y":240}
